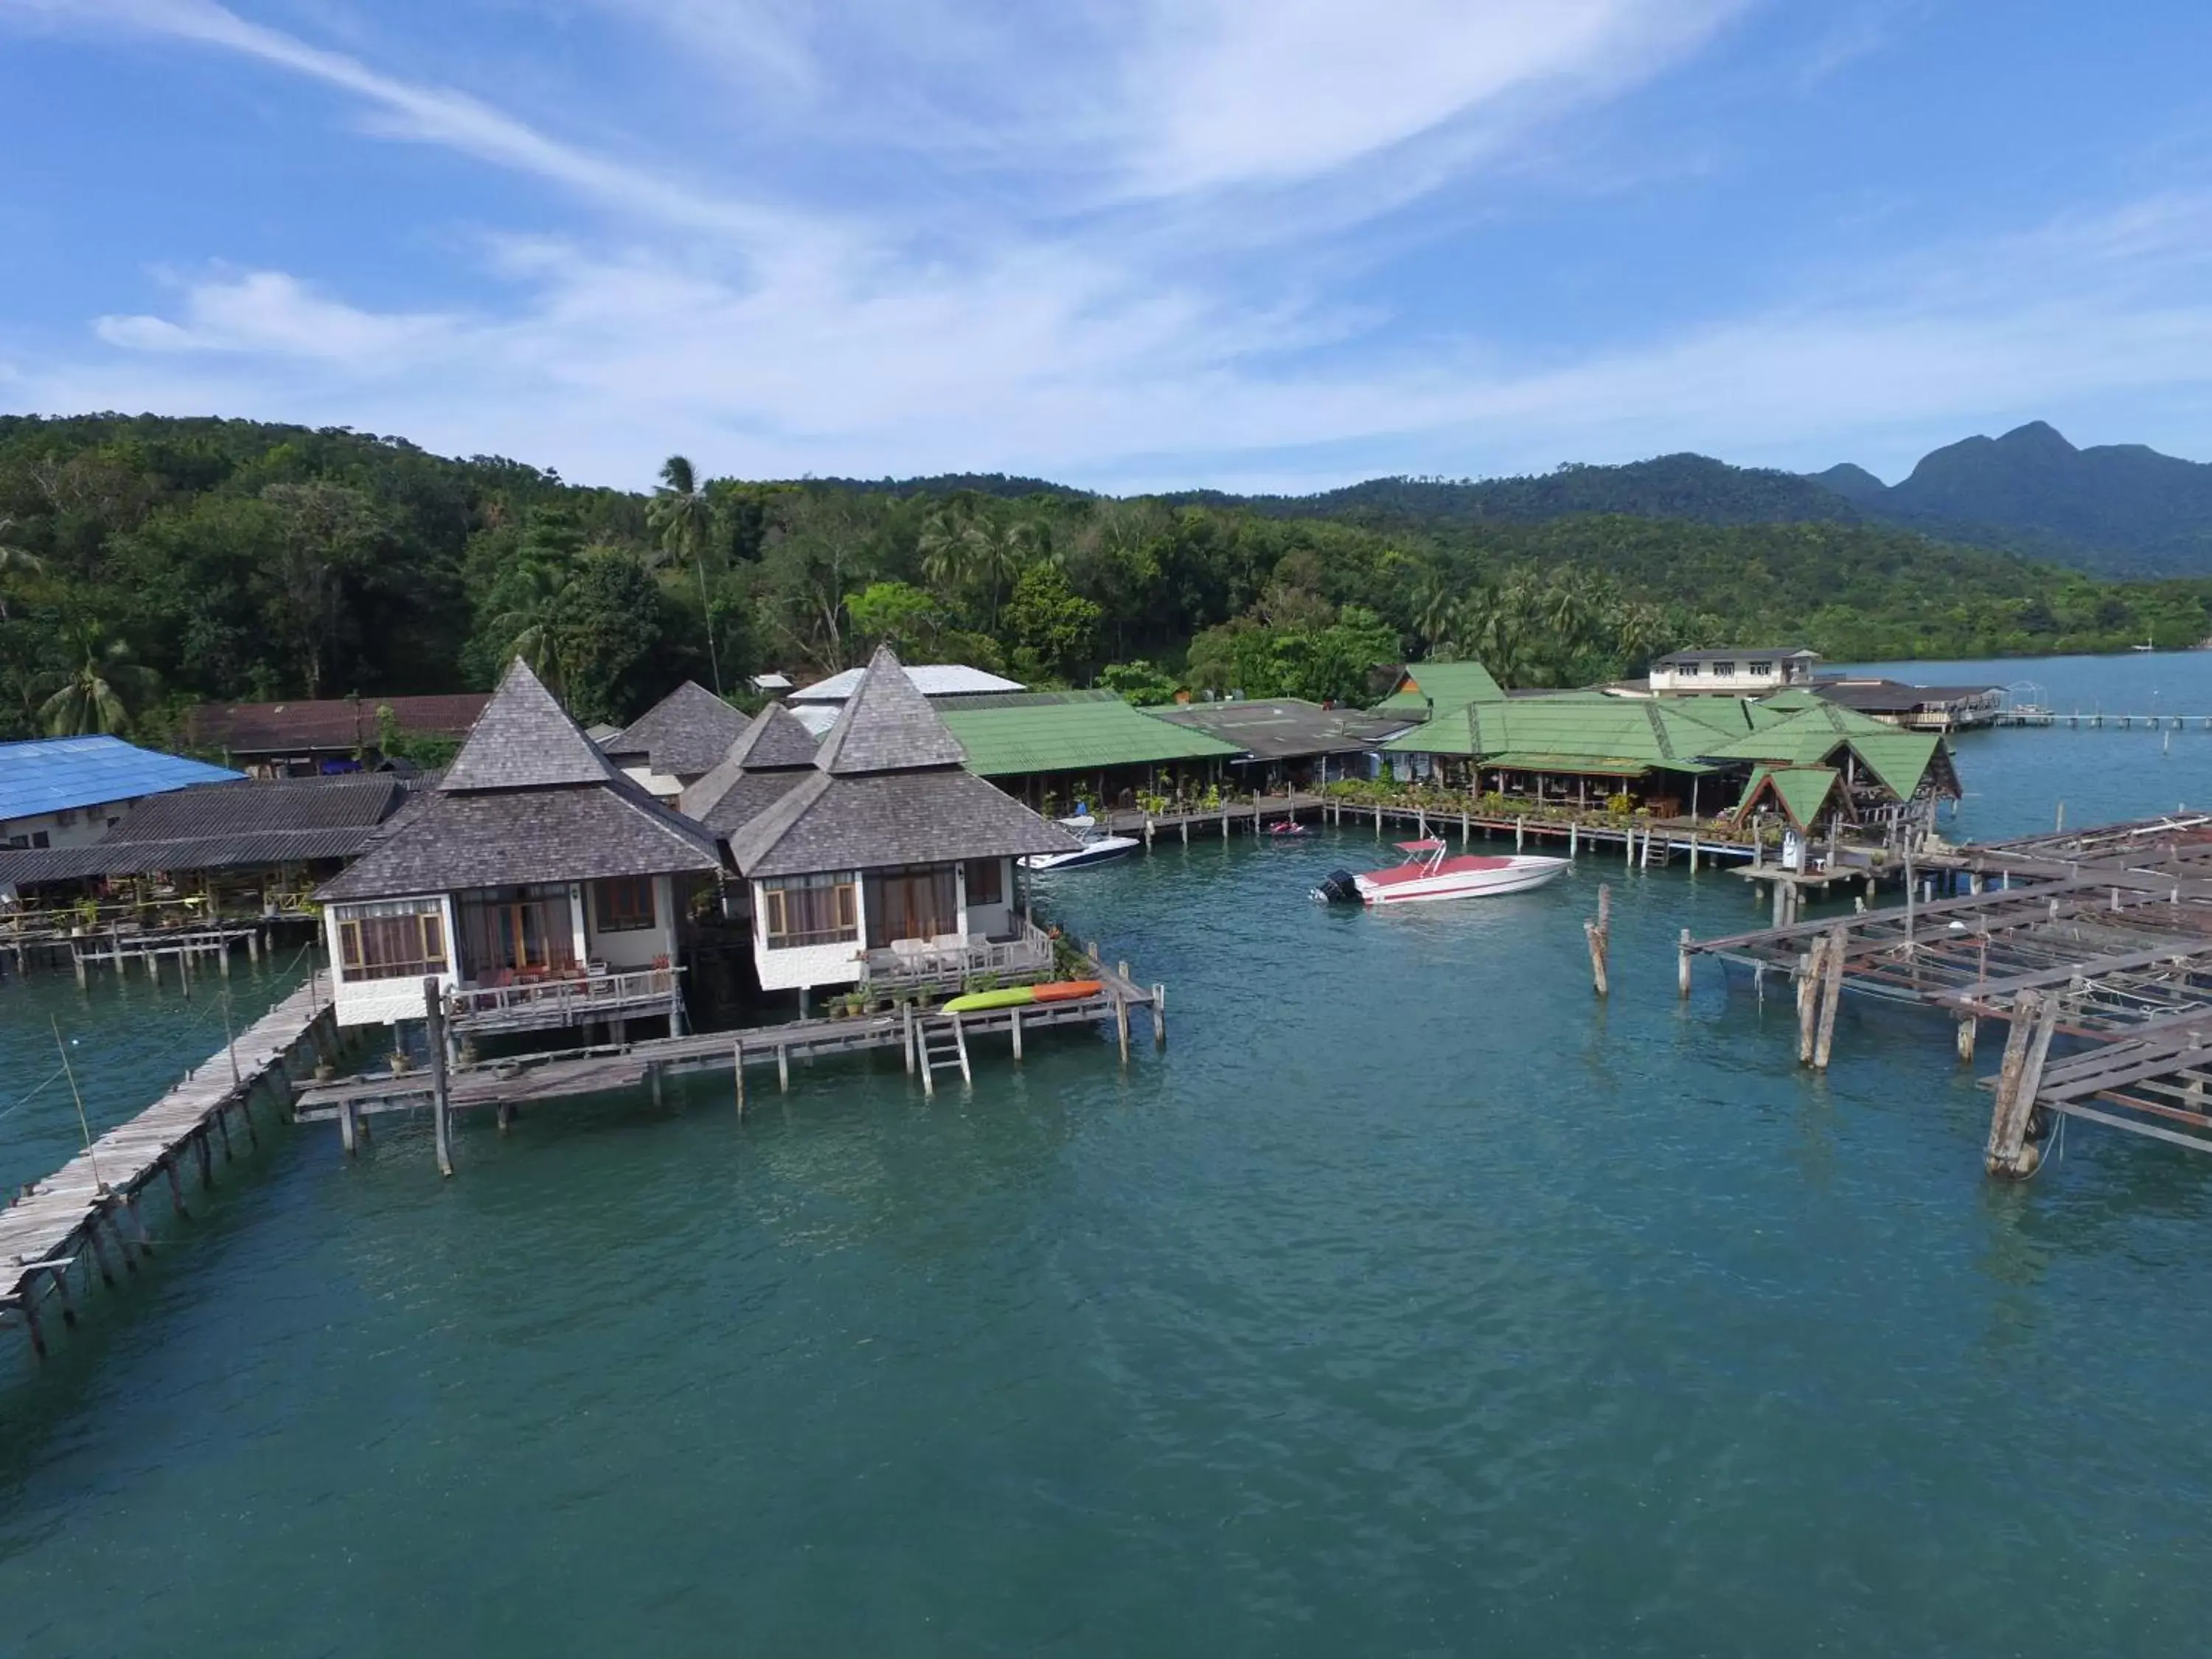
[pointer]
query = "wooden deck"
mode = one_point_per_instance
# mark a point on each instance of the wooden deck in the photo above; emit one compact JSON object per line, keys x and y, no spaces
{"x":931,"y":1041}
{"x":91,"y":1204}
{"x":2102,"y":938}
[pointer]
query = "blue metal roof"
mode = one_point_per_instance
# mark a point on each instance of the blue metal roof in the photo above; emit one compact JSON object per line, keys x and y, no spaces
{"x":56,"y":774}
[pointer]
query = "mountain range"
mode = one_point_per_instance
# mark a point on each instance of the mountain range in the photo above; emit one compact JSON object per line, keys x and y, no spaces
{"x":2116,"y":509}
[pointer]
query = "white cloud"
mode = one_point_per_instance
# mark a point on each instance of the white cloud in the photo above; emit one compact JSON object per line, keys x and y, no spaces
{"x":269,"y":313}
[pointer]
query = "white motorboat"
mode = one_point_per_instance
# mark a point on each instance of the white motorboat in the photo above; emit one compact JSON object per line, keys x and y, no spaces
{"x":1097,"y":845}
{"x":1428,"y":874}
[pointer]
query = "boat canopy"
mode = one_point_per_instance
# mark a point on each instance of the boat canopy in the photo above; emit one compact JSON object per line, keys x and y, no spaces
{"x":1429,"y":846}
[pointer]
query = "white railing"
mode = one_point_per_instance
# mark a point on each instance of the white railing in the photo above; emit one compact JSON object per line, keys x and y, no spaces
{"x":561,"y":1001}
{"x":925,"y":962}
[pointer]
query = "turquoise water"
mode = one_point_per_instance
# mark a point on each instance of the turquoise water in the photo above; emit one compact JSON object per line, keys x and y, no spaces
{"x":1410,"y":1303}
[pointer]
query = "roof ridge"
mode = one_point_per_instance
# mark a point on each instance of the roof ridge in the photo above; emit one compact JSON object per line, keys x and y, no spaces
{"x":887,"y":725}
{"x":525,"y":739}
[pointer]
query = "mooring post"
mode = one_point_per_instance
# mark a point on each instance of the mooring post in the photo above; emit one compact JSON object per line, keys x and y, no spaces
{"x":1159,"y":1016}
{"x":1014,"y":1024}
{"x":348,"y":1127}
{"x":1966,"y":1034}
{"x":2010,"y":1153}
{"x":433,"y":1009}
{"x":652,"y":1079}
{"x":1809,"y":989}
{"x":1682,"y":964}
{"x":1574,"y":836}
{"x":783,"y":1068}
{"x":906,"y":1015}
{"x":1520,"y":833}
{"x":1120,"y":1022}
{"x":737,"y":1067}
{"x":1598,"y":935}
{"x":1832,"y":994}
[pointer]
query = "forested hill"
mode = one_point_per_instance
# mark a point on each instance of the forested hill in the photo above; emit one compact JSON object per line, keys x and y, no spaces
{"x":2116,"y":507}
{"x":146,"y":564}
{"x":1690,"y":487}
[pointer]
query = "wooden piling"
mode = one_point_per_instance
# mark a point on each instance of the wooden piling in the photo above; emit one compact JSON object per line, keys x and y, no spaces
{"x":348,"y":1127}
{"x":1808,"y":987}
{"x":1014,"y":1024}
{"x":737,"y":1071}
{"x":906,"y":1036}
{"x":1122,"y":1023}
{"x":1967,"y":1034}
{"x":783,"y":1068}
{"x":2035,"y":1017}
{"x":1599,"y":935}
{"x":433,"y":1008}
{"x":57,"y":1276}
{"x":1831,"y":994}
{"x":1682,"y":964}
{"x":1159,"y":1016}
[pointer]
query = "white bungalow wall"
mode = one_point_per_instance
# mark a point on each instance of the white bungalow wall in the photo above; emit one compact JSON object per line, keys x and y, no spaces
{"x":632,"y":947}
{"x":382,"y":1001}
{"x":802,"y":966}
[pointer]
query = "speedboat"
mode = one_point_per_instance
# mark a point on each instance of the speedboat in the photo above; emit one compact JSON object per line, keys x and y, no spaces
{"x":1097,"y":845}
{"x":1427,"y":874}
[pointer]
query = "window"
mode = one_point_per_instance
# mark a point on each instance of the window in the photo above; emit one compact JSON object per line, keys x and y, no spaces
{"x":987,"y":881}
{"x":66,"y":819}
{"x":625,"y":904}
{"x":1725,"y":671}
{"x":391,"y":942}
{"x":810,"y":910}
{"x":1688,"y":671}
{"x":39,"y":838}
{"x":1762,"y":669}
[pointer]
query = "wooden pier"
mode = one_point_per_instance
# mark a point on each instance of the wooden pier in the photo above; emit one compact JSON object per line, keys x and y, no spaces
{"x":90,"y":1206}
{"x":2102,"y":938}
{"x":1641,"y":842}
{"x":931,"y":1041}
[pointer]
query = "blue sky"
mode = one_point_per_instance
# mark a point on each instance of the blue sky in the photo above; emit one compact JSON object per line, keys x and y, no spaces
{"x":1127,"y":244}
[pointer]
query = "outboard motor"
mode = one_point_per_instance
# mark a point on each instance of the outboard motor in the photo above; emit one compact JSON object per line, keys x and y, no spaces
{"x":1339,"y":887}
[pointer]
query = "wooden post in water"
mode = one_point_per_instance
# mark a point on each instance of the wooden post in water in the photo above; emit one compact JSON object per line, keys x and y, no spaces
{"x":1520,"y":833}
{"x":1808,"y":992}
{"x":737,"y":1068}
{"x":1121,"y":1022}
{"x":1014,"y":1024}
{"x":783,"y":1068}
{"x":906,"y":1012}
{"x":1966,"y":1034}
{"x":2009,"y":1151}
{"x":1159,"y":1016}
{"x":1599,"y":935}
{"x":433,"y":1009}
{"x":1574,"y":836}
{"x":1831,"y":994}
{"x":1682,"y":964}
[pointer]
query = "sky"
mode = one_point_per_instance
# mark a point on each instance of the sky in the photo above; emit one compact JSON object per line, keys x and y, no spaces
{"x":1128,"y":245}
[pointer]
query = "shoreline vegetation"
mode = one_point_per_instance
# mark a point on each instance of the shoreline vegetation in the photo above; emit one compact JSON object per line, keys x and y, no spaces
{"x":150,"y":563}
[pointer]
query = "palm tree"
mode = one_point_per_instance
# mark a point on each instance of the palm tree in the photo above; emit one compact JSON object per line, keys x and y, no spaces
{"x":14,"y":558}
{"x":96,"y":696}
{"x":1434,"y":607}
{"x":685,"y":518}
{"x":1000,"y":552}
{"x":529,"y":627}
{"x":948,"y":556}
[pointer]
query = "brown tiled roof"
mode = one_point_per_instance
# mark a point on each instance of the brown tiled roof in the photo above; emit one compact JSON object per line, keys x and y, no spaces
{"x":887,"y":727}
{"x":325,"y":724}
{"x":684,"y":735}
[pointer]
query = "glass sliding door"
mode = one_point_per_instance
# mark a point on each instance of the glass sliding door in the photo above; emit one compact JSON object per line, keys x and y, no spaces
{"x":518,"y":932}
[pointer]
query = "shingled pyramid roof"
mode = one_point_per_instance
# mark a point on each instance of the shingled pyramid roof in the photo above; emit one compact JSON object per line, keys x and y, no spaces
{"x":684,"y":734}
{"x":771,"y":755}
{"x":887,"y":725}
{"x":525,"y":739}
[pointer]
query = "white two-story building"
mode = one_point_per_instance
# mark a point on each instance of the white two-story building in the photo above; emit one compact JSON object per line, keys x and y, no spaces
{"x":1732,"y":673}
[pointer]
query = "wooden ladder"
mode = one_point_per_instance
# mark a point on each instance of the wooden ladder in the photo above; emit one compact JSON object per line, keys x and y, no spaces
{"x":943,"y":1044}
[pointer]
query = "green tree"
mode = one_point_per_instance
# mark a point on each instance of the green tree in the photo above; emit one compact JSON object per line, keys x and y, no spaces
{"x":98,"y":694}
{"x":897,"y":614}
{"x":1052,"y":627}
{"x":1143,"y":683}
{"x":14,"y":561}
{"x":683,"y":516}
{"x":606,"y":632}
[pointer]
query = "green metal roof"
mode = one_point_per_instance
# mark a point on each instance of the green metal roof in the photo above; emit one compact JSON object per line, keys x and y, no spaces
{"x":1010,"y":740}
{"x":1815,"y":735}
{"x":1801,"y":791}
{"x":1620,"y":735}
{"x":1448,"y":685}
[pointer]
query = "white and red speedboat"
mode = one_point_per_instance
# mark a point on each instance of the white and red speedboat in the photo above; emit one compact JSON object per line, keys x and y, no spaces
{"x":1427,"y":874}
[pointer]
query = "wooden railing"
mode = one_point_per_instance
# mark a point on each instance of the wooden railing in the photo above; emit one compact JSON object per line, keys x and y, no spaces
{"x":570,"y":1000}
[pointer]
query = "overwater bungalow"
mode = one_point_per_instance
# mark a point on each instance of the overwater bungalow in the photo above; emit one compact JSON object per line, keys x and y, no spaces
{"x":677,"y":741}
{"x":890,"y":864}
{"x":70,"y":791}
{"x":240,"y":850}
{"x":1290,"y":742}
{"x":1058,"y":750}
{"x":539,"y":884}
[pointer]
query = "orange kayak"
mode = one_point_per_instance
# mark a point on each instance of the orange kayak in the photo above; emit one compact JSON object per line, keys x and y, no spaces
{"x":1069,"y":990}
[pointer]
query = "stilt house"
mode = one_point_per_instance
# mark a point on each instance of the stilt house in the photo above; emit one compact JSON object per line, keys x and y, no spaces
{"x":890,"y":864}
{"x":677,"y":741}
{"x":537,"y":883}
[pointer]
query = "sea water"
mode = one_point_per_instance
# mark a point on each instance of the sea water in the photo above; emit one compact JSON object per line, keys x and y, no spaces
{"x":1412,"y":1302}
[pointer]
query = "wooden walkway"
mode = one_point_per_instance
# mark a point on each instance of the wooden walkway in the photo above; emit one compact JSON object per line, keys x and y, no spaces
{"x":2102,"y":938}
{"x":929,"y":1040}
{"x":90,"y":1206}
